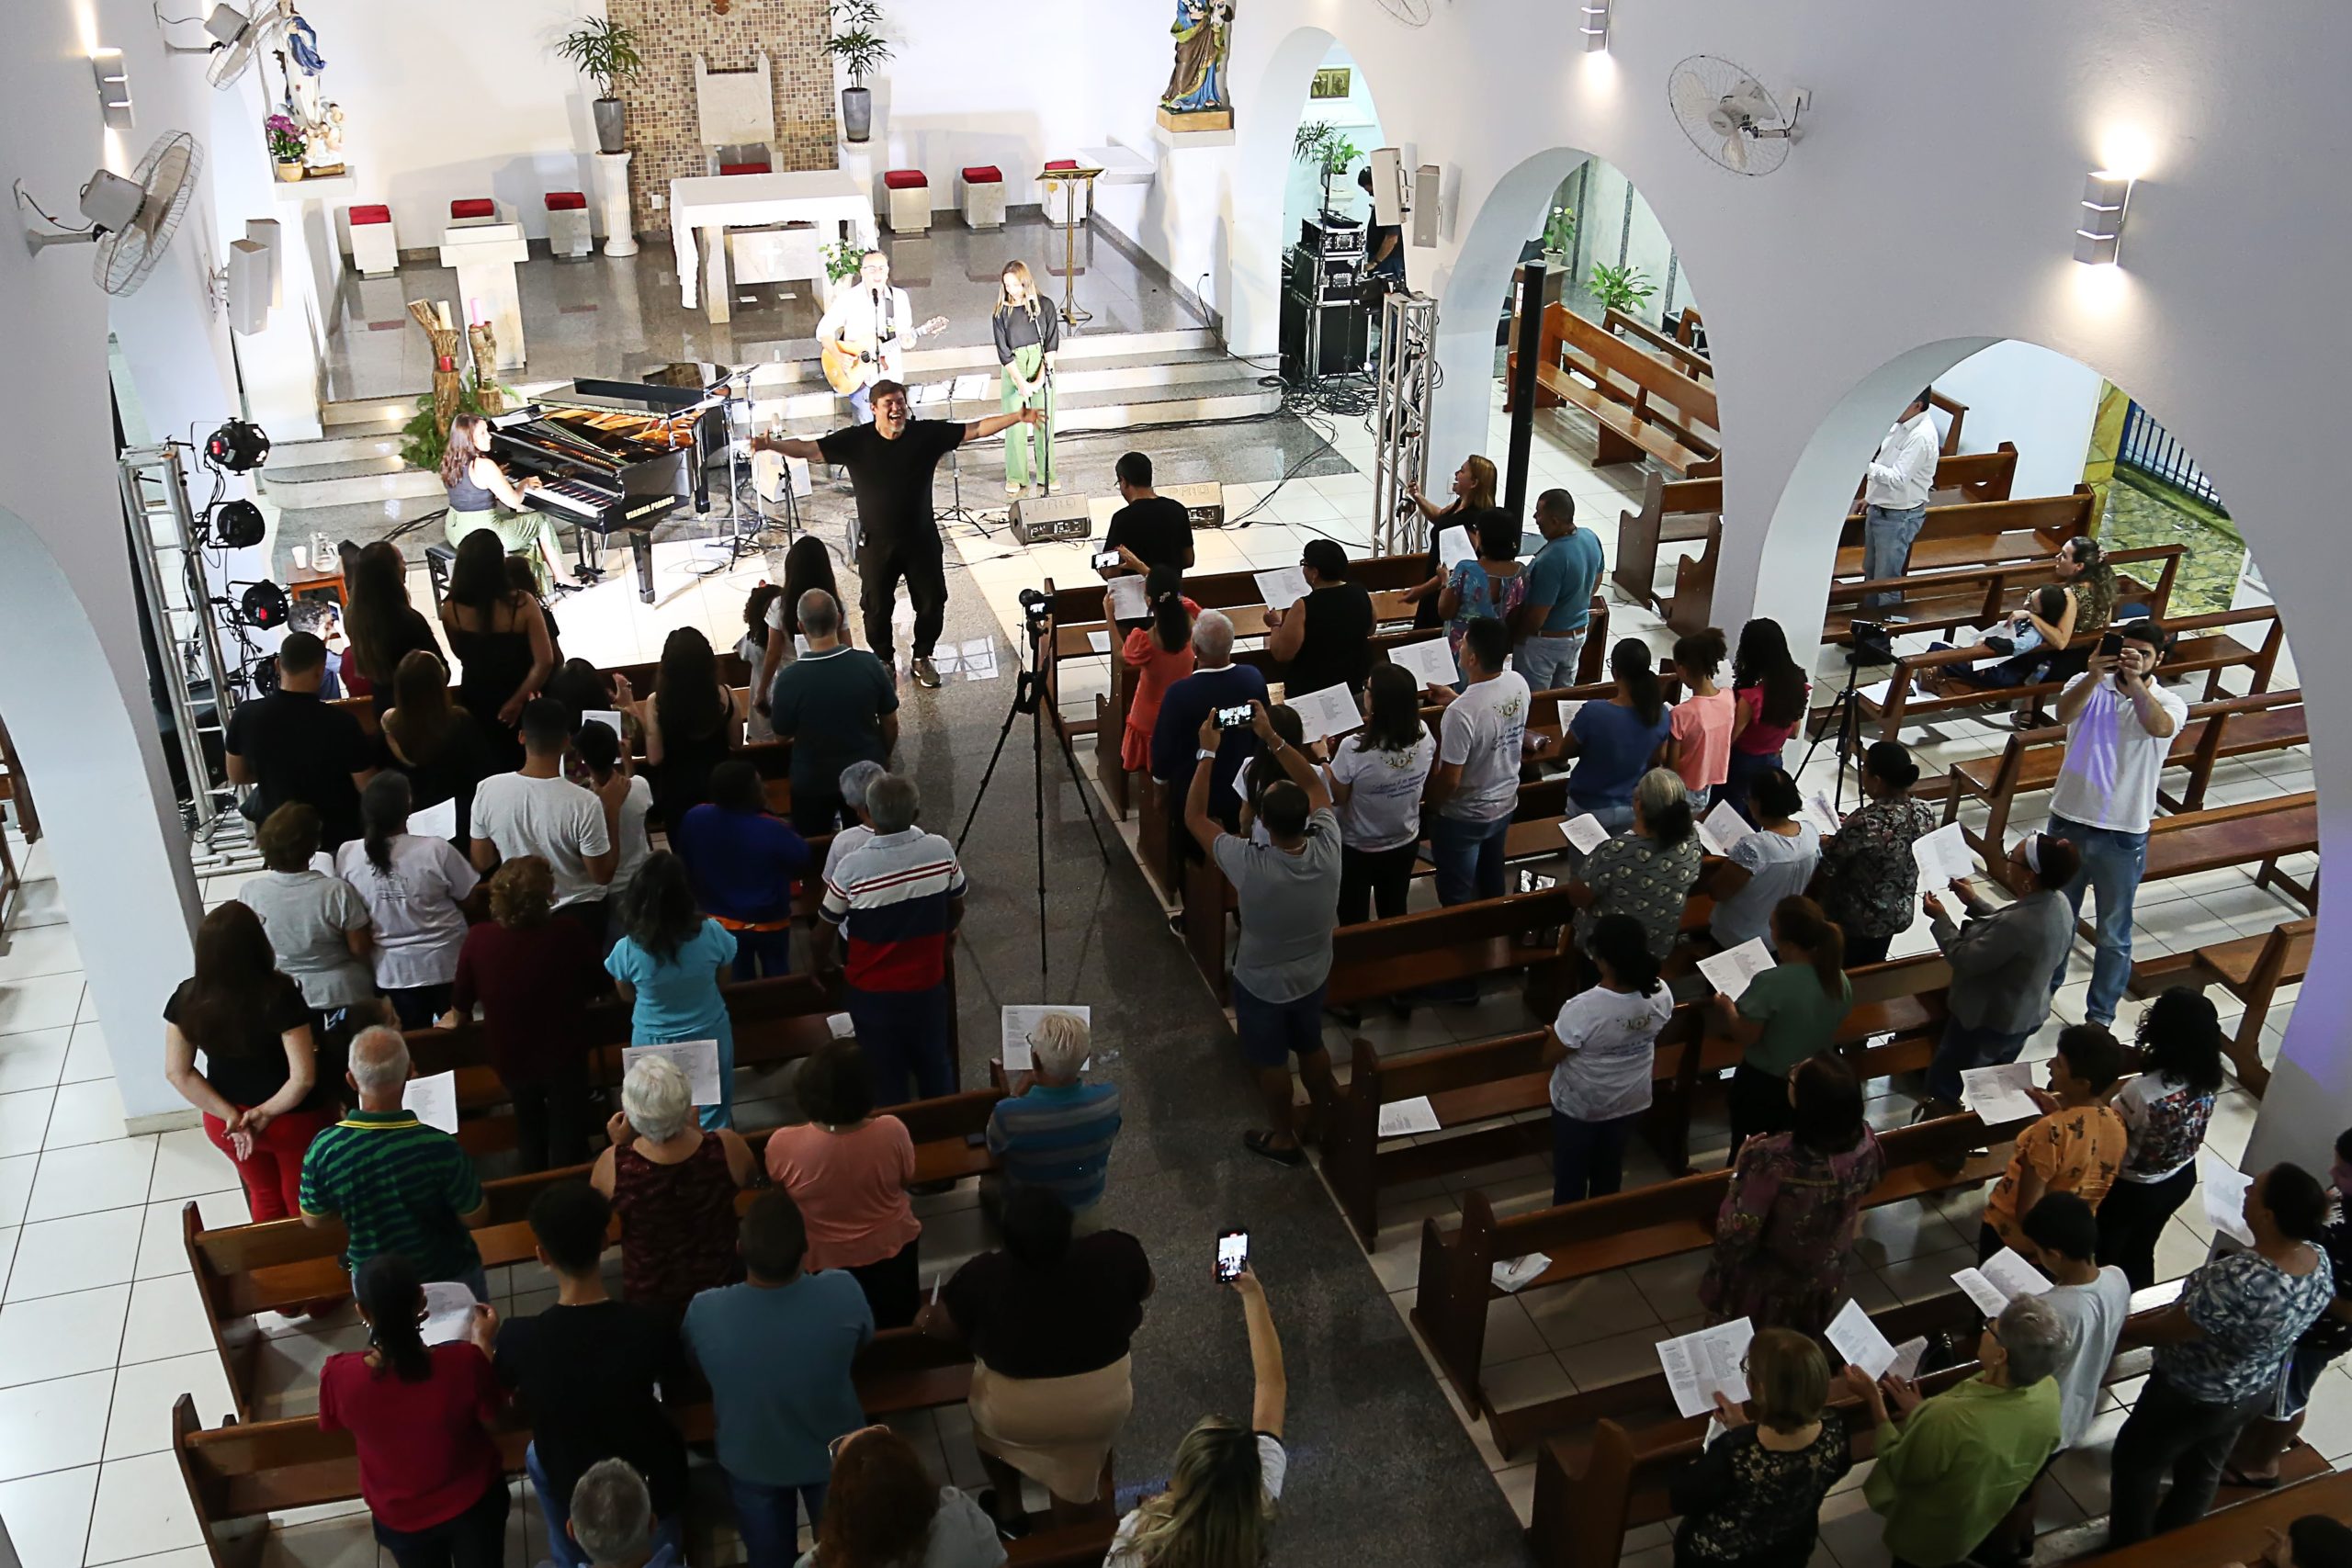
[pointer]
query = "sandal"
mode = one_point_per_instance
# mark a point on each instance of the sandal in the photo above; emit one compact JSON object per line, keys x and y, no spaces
{"x":2234,"y":1477}
{"x":1263,"y":1143}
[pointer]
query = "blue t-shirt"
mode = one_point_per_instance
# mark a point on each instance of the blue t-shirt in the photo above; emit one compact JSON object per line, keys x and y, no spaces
{"x":680,"y":1000}
{"x":1176,"y":737}
{"x":1057,"y":1136}
{"x":778,"y":1363}
{"x":1613,"y":751}
{"x":1563,"y":575}
{"x":741,"y":862}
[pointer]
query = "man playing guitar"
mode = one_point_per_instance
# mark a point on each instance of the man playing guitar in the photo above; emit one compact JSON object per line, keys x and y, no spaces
{"x":864,"y":334}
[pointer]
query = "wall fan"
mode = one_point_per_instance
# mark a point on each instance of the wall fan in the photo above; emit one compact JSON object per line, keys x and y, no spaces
{"x":236,"y":39}
{"x":130,"y":220}
{"x":1730,"y":117}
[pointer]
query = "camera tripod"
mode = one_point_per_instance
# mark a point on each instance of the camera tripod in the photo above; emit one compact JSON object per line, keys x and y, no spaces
{"x":1845,"y":714}
{"x":1029,"y":697}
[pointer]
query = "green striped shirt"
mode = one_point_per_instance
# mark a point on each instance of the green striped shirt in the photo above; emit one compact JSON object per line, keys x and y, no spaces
{"x":397,"y":1185}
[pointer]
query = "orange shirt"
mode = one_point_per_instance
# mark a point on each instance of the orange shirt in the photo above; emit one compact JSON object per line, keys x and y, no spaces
{"x":2076,"y":1150}
{"x":852,"y":1189}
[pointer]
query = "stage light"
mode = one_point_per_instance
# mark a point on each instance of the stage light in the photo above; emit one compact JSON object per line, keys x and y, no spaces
{"x":238,"y":446}
{"x":2099,"y":235}
{"x":263,"y":606}
{"x":238,"y":524}
{"x":1595,"y":26}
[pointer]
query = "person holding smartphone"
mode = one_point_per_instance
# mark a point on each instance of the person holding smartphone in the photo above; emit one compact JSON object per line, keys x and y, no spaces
{"x":2120,"y":725}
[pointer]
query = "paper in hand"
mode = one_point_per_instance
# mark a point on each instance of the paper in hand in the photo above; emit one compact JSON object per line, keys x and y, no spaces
{"x":1431,"y":660}
{"x":1731,"y":970}
{"x":434,"y":1100}
{"x":1989,"y":1297}
{"x":698,"y":1059}
{"x":1907,"y":1357}
{"x":1099,"y":641}
{"x":1401,"y":1118}
{"x":1998,"y":1095}
{"x":2224,"y":1187}
{"x":1722,"y":829}
{"x":1858,"y":1340}
{"x":1822,"y":813}
{"x":448,"y":1312}
{"x":437,"y":822}
{"x":1943,"y":856}
{"x":2013,"y":1276}
{"x":1324,"y":713}
{"x":1700,"y":1365}
{"x":1281,"y":588}
{"x":1453,"y":547}
{"x":1018,"y":1023}
{"x":1585,"y":832}
{"x":606,"y":716}
{"x":839,"y":1025}
{"x":1126,"y":598}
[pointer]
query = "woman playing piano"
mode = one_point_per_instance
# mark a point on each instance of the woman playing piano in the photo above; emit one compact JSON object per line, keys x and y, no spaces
{"x":481,"y":496}
{"x":1028,"y":335}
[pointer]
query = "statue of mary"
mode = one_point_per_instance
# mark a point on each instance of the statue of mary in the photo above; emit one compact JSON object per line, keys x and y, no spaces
{"x":1203,"y":31}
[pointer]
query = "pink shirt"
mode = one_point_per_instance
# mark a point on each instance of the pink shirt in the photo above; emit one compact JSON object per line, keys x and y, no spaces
{"x":1759,"y":739}
{"x":852,"y":1189}
{"x":1702,"y":730}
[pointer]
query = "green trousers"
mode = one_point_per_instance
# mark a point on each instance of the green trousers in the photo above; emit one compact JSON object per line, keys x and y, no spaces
{"x":517,"y":531}
{"x":1018,"y":463}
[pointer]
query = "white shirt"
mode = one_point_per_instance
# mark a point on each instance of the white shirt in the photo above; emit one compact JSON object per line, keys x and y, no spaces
{"x":419,"y":926}
{"x":845,"y":839}
{"x":1272,"y":1465}
{"x":1904,"y":469}
{"x":1484,"y":731}
{"x":2109,"y":779}
{"x":2094,"y":1315}
{"x":1779,"y":864}
{"x":553,"y":818}
{"x":853,"y":319}
{"x":634,"y":842}
{"x":1611,"y":1037}
{"x":1384,"y":805}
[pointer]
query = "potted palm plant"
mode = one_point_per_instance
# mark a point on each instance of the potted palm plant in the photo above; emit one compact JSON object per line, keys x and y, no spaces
{"x":1621,"y":288}
{"x":1324,"y":148}
{"x":607,"y":54}
{"x":861,"y":48}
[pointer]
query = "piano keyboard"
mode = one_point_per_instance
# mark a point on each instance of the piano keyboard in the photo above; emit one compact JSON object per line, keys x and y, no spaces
{"x":572,"y":497}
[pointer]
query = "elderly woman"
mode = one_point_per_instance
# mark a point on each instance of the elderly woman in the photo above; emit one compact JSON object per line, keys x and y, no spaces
{"x":1049,"y":1319}
{"x":1867,"y":881}
{"x":2219,"y":1348}
{"x":1752,"y":1499}
{"x":2001,"y":959}
{"x":1054,"y":1132}
{"x":1648,"y":872}
{"x":533,"y":976}
{"x":848,"y":1170}
{"x":883,"y":1510}
{"x":674,"y":1187}
{"x":1949,"y":1467}
{"x":320,"y":929}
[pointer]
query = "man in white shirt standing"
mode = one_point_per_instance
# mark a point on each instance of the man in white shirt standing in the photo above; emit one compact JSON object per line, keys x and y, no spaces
{"x":869,"y":316}
{"x":538,"y":811}
{"x":1895,"y":502}
{"x":1474,"y":788}
{"x":2119,"y":726}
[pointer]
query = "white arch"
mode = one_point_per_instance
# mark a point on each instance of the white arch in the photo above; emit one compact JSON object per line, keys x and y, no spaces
{"x":1265,"y":120}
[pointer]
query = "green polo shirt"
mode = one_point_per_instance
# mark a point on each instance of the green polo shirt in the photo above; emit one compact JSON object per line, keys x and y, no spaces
{"x":1946,"y":1476}
{"x":396,"y":1186}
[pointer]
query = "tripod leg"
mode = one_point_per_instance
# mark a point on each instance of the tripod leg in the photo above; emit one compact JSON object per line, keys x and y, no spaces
{"x":1037,"y":780}
{"x":1085,"y":800}
{"x":981,"y":794}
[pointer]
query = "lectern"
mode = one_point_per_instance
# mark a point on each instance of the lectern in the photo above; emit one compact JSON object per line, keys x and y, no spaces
{"x":1078,"y":179}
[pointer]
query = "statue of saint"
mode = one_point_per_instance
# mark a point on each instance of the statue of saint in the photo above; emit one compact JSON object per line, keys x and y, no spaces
{"x":1203,"y":31}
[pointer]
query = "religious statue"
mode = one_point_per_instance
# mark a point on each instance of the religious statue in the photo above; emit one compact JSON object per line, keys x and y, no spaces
{"x":1204,"y":33}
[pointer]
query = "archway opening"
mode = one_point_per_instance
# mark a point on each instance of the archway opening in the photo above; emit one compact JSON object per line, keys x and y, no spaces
{"x":1328,"y":231}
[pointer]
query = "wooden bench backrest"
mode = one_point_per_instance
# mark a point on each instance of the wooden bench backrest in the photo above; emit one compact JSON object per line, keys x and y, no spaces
{"x":1375,"y":942}
{"x":1689,"y":360}
{"x":1658,"y":380}
{"x":1082,"y":604}
{"x":2057,"y":518}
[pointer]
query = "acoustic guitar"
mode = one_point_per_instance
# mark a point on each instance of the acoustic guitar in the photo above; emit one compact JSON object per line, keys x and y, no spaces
{"x":850,"y":370}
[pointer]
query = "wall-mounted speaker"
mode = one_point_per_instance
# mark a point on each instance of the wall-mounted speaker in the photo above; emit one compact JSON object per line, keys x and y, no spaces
{"x":1428,"y":202}
{"x":1388,"y":198}
{"x":248,"y":286}
{"x":264,"y":232}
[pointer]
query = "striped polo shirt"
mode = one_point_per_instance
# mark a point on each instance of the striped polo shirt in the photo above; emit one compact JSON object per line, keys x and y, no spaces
{"x":1057,"y":1136}
{"x":890,"y":896}
{"x":396,"y":1186}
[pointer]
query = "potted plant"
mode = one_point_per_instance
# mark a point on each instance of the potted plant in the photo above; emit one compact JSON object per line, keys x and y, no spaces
{"x":285,"y":140}
{"x":607,"y":54}
{"x":1619,"y":287}
{"x":1559,"y":238}
{"x":860,"y":48}
{"x":1327,"y":151}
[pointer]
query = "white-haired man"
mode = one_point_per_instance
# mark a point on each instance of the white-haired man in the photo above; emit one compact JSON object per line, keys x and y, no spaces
{"x":1216,"y":684}
{"x":396,"y":1184}
{"x":612,"y":1519}
{"x":1055,"y":1130}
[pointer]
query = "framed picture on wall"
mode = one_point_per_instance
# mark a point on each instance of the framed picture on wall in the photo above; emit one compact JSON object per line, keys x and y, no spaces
{"x":1332,"y":82}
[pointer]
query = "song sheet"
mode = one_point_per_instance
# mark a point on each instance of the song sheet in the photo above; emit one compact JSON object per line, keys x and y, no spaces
{"x":1585,"y":832}
{"x":434,"y":1100}
{"x":1018,"y":1023}
{"x":1943,"y":856}
{"x":698,"y":1059}
{"x":1403,"y":1117}
{"x":1125,"y":595}
{"x":1998,"y":1095}
{"x":2226,"y":1188}
{"x":1722,"y":829}
{"x":1431,"y":660}
{"x":1281,"y":588}
{"x":1857,"y":1338}
{"x":1731,"y":970}
{"x":1700,"y":1365}
{"x":1324,"y":713}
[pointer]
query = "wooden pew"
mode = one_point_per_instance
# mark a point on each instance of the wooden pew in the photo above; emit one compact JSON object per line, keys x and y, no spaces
{"x":1982,"y":596}
{"x":1644,"y":404}
{"x":1972,"y":533}
{"x":1429,"y":947}
{"x":1635,"y":331}
{"x":2250,"y":969}
{"x":1604,"y":1234}
{"x":2238,"y":1532}
{"x":280,"y":1264}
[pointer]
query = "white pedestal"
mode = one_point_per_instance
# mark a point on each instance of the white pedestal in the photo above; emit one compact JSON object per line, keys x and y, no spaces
{"x":315,"y":202}
{"x":612,"y":200}
{"x":484,"y":255}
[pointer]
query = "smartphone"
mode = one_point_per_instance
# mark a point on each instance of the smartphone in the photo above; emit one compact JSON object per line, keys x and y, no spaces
{"x":1235,"y":717}
{"x":2111,"y":644}
{"x":1107,"y":560}
{"x":1232,"y":1255}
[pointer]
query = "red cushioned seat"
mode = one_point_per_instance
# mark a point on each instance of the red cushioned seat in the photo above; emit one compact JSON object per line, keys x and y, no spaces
{"x":983,"y":174}
{"x":1062,"y":164}
{"x":566,"y":201}
{"x":371,"y":215}
{"x":743,"y":168}
{"x":474,"y":207}
{"x":904,"y":179}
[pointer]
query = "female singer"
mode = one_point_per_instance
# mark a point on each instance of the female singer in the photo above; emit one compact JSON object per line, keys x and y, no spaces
{"x":1028,"y":335}
{"x":1473,"y":493}
{"x":481,"y":496}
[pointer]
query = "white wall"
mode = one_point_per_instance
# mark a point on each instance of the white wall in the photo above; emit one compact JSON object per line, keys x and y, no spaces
{"x":2045,"y":402}
{"x":1353,"y":117}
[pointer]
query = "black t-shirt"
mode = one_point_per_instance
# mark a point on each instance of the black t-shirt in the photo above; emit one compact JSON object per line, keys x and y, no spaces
{"x":1336,"y":650}
{"x":300,"y":748}
{"x":831,"y":704}
{"x":249,"y":1069}
{"x":1159,"y":530}
{"x":1376,"y":236}
{"x":893,"y":478}
{"x":587,"y":1377}
{"x":1053,"y":1323}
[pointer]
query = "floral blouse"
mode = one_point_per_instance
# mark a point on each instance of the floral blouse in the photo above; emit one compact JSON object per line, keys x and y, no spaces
{"x":1744,"y":1504}
{"x":1631,"y":875}
{"x":1869,"y":883}
{"x":1781,"y":1236}
{"x":1481,"y":593}
{"x":2252,"y":1312}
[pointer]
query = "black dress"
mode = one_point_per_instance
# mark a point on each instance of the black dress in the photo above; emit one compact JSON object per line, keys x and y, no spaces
{"x":683,"y":781}
{"x":1744,"y":1505}
{"x":460,"y":762}
{"x":496,"y":663}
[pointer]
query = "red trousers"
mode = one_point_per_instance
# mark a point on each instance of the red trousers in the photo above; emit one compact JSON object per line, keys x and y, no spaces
{"x":273,"y":1177}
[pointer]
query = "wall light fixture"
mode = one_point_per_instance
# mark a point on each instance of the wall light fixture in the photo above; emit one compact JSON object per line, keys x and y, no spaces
{"x":2098,"y":234}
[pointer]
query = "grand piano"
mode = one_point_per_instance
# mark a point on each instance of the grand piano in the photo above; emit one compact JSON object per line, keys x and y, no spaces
{"x":611,"y":456}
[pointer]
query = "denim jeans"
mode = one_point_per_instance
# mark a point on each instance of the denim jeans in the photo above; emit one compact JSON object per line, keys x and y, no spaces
{"x":768,"y":1518}
{"x":1588,"y":1157}
{"x":2169,"y":1433}
{"x":1962,"y":1048}
{"x":2112,"y":863}
{"x":1468,"y":856}
{"x":670,"y":1533}
{"x":1549,"y":663}
{"x":1886,"y":549}
{"x":475,"y":1539}
{"x":903,"y":1035}
{"x":759,"y":954}
{"x":861,"y":406}
{"x":1618,"y":820}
